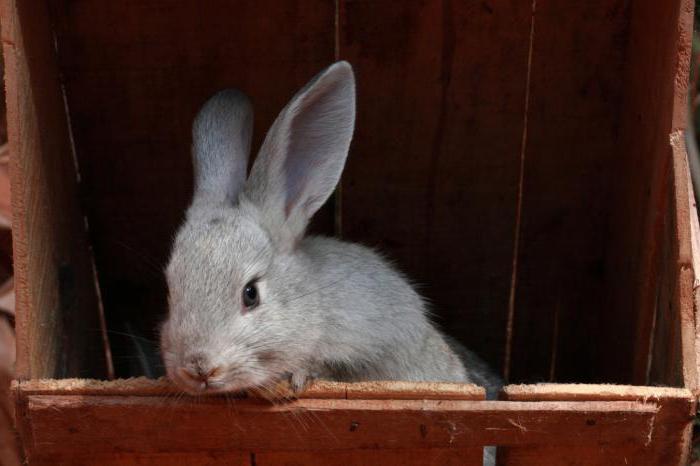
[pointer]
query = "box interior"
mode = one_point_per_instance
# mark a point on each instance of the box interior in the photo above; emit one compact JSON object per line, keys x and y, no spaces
{"x":511,"y":157}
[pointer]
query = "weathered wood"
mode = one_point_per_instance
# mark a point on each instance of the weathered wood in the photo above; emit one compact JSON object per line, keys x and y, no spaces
{"x":641,"y":202}
{"x":413,"y":391}
{"x":592,"y":392}
{"x":575,"y":102}
{"x":434,"y":457}
{"x":673,"y":344}
{"x":686,"y":273}
{"x":695,"y":260}
{"x":133,"y":87}
{"x":574,"y":455}
{"x":141,"y":386}
{"x":58,"y":326}
{"x":153,"y":459}
{"x":666,"y":444}
{"x":446,"y":457}
{"x":433,"y":171}
{"x":103,"y":424}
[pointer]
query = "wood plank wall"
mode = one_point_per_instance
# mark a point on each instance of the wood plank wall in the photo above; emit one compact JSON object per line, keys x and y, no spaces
{"x":135,"y":74}
{"x":644,"y":259}
{"x":481,"y":162}
{"x":54,"y":275}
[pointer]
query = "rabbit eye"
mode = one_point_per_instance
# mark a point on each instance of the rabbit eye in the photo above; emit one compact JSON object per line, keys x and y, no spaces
{"x":251,"y":297}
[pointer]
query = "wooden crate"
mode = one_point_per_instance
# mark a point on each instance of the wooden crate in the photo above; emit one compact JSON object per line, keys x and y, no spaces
{"x":523,"y":160}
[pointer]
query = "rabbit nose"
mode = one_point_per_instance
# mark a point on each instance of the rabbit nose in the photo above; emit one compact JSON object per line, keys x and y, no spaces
{"x":198,"y":370}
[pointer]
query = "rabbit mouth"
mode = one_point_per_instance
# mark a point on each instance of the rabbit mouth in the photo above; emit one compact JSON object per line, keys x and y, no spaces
{"x":197,"y":387}
{"x":233,"y":382}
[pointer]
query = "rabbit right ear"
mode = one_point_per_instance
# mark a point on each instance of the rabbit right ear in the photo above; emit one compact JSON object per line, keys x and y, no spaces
{"x":221,"y":136}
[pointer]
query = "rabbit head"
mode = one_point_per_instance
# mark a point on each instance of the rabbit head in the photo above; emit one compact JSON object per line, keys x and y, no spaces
{"x":235,"y":268}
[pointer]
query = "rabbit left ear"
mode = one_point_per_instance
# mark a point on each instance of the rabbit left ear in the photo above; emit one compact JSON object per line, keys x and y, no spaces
{"x":221,"y":136}
{"x":303,"y":155}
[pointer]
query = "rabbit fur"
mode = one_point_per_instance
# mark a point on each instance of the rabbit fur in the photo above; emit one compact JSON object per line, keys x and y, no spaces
{"x":327,"y":309}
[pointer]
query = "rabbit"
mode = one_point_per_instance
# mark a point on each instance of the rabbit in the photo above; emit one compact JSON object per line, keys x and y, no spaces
{"x":252,"y":300}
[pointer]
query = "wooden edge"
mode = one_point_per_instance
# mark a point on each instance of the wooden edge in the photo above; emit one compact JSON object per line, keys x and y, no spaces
{"x":694,"y":230}
{"x":670,"y":428}
{"x":592,"y":392}
{"x":320,"y":389}
{"x":414,"y":390}
{"x":56,"y":297}
{"x":695,"y":261}
{"x":103,"y":424}
{"x":684,"y":288}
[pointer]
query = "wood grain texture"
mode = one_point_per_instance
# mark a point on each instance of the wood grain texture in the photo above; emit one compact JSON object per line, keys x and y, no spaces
{"x":141,"y":386}
{"x":133,"y":87}
{"x":432,"y":457}
{"x":601,"y":455}
{"x":592,"y":392}
{"x":673,"y":344}
{"x":101,"y":424}
{"x":667,"y":443}
{"x":575,"y":97}
{"x":436,"y":457}
{"x":654,"y":107}
{"x":433,"y":171}
{"x":695,"y":260}
{"x":154,"y":459}
{"x":58,"y":328}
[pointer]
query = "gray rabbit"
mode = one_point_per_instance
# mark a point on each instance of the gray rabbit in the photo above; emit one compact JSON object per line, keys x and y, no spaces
{"x":252,"y":300}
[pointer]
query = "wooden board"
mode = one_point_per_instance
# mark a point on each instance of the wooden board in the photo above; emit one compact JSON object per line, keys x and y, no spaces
{"x":575,"y":101}
{"x":643,"y":425}
{"x":667,"y":444}
{"x":655,"y":80}
{"x":141,"y":386}
{"x":135,"y":74}
{"x":695,"y":260}
{"x":432,"y":457}
{"x":433,"y":173}
{"x":59,"y":332}
{"x":672,"y":357}
{"x":153,"y":459}
{"x":436,"y":457}
{"x":102,"y":424}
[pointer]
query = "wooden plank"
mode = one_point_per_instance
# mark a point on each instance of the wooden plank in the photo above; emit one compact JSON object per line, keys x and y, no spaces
{"x":695,"y":258}
{"x":319,"y":389}
{"x":154,"y":459}
{"x":103,"y":424}
{"x":592,"y":392}
{"x":655,"y":78}
{"x":683,"y":291}
{"x":433,"y":173}
{"x":133,"y":86}
{"x":663,"y":357}
{"x":141,"y":386}
{"x":446,"y":457}
{"x":673,"y":351}
{"x":601,"y":455}
{"x":413,"y":391}
{"x":55,"y":290}
{"x":575,"y":100}
{"x":432,"y":457}
{"x":667,"y":443}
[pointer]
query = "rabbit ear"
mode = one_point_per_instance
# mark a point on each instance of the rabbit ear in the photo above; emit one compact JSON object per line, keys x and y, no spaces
{"x":221,"y":136}
{"x":303,"y":155}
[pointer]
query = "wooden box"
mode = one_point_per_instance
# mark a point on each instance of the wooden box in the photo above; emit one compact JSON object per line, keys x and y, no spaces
{"x":522,"y":160}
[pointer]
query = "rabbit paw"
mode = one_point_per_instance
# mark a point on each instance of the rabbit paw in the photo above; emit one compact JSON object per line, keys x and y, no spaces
{"x":286,"y":389}
{"x":299,"y":381}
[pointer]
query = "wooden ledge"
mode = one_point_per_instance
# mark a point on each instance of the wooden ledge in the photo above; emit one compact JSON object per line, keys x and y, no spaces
{"x":141,"y":386}
{"x":593,"y":392}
